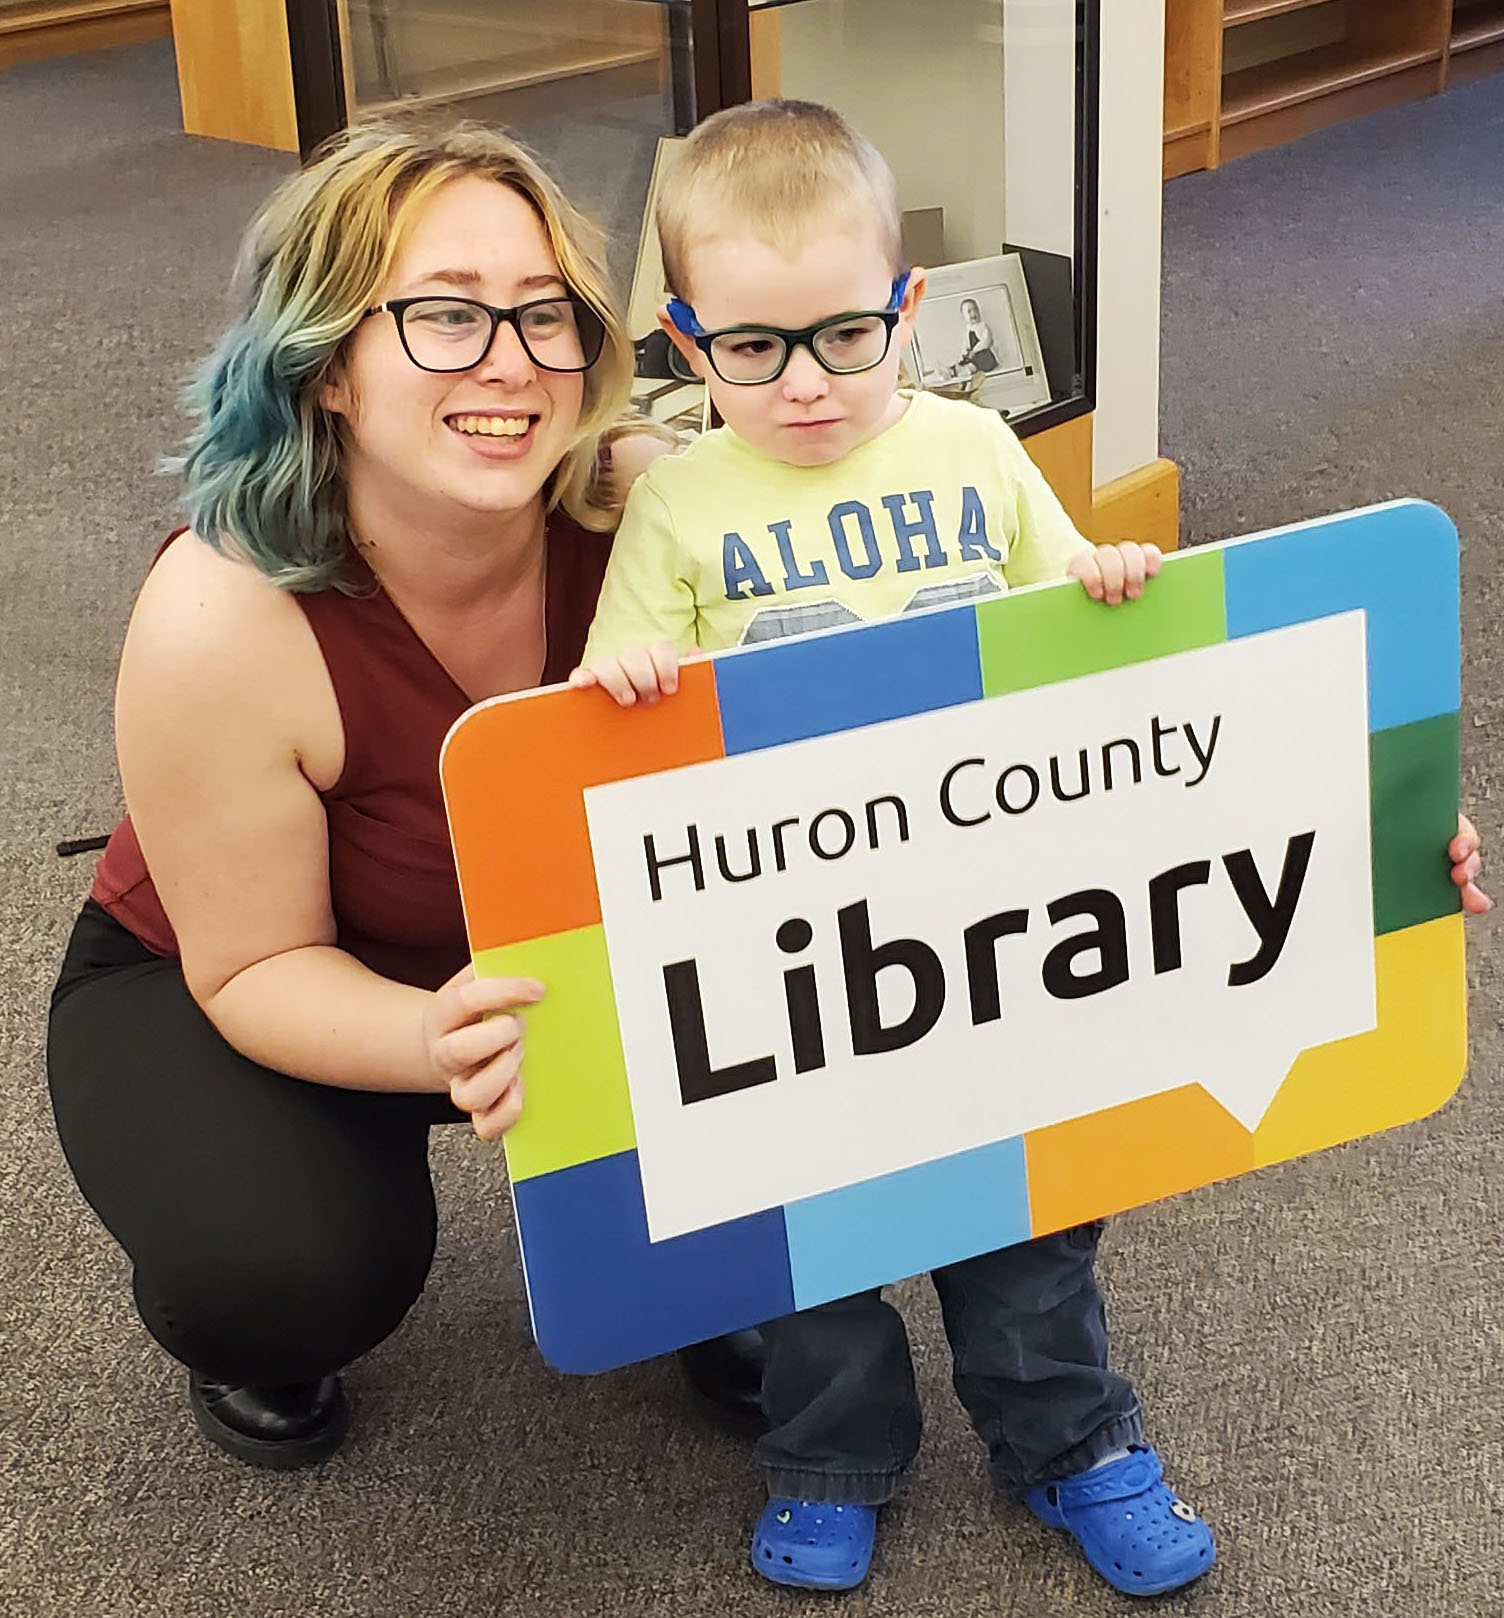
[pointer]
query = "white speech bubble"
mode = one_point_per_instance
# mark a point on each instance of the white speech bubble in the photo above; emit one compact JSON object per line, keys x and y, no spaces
{"x":1250,"y":758}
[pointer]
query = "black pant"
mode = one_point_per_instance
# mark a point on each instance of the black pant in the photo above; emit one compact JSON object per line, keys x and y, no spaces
{"x":279,"y":1229}
{"x":1028,"y":1338}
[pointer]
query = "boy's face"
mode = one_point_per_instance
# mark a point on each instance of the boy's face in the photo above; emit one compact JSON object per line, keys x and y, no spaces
{"x":806,"y":416}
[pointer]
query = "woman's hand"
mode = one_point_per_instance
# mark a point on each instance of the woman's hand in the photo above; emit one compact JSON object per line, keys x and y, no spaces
{"x":472,"y":1034}
{"x":1463,"y":851}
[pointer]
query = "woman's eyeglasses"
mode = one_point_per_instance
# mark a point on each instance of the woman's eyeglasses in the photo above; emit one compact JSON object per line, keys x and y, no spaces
{"x":456,"y":334}
{"x":747,"y":356}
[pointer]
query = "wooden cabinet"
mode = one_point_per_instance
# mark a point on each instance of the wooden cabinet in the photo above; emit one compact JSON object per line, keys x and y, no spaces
{"x":1242,"y":75}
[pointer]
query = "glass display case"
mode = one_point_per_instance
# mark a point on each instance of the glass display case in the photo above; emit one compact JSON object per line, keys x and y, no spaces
{"x":986,"y":110}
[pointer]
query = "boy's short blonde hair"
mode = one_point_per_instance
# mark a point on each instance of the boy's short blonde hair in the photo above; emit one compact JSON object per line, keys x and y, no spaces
{"x":773,"y":168}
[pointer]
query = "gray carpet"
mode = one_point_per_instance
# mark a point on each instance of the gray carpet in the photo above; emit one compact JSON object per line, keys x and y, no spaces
{"x":1319,"y":1345}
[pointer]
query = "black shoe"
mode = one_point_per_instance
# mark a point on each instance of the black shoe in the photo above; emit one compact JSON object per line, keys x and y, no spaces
{"x":725,"y":1373}
{"x":278,"y":1427}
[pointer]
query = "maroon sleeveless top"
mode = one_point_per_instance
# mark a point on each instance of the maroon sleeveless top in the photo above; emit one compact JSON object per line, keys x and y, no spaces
{"x":391,"y":871}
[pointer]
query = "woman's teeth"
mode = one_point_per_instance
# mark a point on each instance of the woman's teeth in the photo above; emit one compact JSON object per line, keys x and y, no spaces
{"x":492,"y":426}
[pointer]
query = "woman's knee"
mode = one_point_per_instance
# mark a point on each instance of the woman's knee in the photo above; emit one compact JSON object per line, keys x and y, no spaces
{"x":279,"y":1229}
{"x":291,"y":1309}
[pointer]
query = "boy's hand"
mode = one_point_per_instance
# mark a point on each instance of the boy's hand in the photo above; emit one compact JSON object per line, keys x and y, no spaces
{"x":648,"y":672}
{"x":1463,"y":851}
{"x":1116,"y":573}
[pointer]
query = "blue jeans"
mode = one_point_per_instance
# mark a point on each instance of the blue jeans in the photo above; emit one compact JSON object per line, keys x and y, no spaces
{"x":1028,"y":1337}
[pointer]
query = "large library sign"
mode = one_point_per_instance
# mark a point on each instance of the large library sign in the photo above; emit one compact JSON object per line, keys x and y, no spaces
{"x":877,"y":949}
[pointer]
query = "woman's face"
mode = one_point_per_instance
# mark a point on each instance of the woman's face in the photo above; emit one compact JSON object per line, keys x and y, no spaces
{"x":422,"y":445}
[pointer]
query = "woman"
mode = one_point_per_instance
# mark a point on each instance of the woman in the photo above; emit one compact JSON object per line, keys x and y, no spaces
{"x":393,"y":483}
{"x":398,"y":507}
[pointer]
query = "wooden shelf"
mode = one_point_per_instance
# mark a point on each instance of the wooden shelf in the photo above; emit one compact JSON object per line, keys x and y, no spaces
{"x":1237,"y":12}
{"x":29,"y":33}
{"x":1475,"y":26}
{"x":1244,"y":75}
{"x":1197,"y":127}
{"x":1291,"y":80}
{"x":13,"y":17}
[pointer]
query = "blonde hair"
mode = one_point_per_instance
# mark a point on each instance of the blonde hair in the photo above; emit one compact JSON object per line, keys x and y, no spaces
{"x":773,"y":167}
{"x":263,"y":468}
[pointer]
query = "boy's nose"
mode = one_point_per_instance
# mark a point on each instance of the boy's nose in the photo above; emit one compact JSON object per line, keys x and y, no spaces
{"x":804,"y":378}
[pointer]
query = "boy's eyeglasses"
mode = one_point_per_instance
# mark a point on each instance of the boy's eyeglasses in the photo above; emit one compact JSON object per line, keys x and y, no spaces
{"x":746,"y":356}
{"x":456,"y":334}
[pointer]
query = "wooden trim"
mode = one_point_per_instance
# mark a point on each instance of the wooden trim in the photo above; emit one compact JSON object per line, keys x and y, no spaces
{"x":1193,"y":84}
{"x":1189,"y":151}
{"x":1143,"y":505}
{"x":1477,"y":63}
{"x":522,"y":99}
{"x":767,"y":53}
{"x":1237,"y":12}
{"x":36,"y":32}
{"x":584,"y":62}
{"x":16,"y":19}
{"x":235,"y":71}
{"x":1186,"y":131}
{"x":1064,"y":454}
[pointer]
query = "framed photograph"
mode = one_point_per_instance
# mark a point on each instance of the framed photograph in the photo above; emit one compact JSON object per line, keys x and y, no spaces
{"x":975,"y":336}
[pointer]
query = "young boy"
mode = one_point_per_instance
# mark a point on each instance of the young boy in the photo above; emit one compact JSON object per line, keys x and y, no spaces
{"x":831,"y":497}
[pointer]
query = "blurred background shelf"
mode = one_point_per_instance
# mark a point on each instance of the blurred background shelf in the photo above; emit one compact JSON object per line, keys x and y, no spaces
{"x":1477,"y":39}
{"x":30,"y":31}
{"x":1235,"y":12}
{"x":1244,"y":75}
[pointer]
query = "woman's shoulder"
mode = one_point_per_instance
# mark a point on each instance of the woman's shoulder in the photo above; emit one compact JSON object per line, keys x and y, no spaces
{"x":211,"y":633}
{"x":194,"y":583}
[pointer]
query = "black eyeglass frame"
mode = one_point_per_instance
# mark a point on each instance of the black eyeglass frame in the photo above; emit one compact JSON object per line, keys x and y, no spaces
{"x":397,"y":308}
{"x":687,"y":323}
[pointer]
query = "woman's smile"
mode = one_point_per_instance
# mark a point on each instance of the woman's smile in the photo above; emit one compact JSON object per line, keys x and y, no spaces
{"x":495,"y":435}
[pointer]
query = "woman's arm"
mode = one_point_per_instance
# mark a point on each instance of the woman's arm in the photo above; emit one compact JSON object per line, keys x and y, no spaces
{"x":226,"y":724}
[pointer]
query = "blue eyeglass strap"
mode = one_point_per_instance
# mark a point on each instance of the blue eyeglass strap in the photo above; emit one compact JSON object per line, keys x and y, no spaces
{"x":684,"y":319}
{"x":900,"y":286}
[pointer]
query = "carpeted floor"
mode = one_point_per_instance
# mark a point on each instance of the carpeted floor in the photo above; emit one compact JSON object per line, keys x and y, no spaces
{"x":1319,"y":1346}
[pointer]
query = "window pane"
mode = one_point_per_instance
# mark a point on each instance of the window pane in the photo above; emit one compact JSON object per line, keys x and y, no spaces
{"x":974,"y":105}
{"x":590,"y":85}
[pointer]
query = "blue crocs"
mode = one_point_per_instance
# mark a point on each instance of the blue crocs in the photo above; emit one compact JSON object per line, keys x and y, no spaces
{"x":814,"y":1545}
{"x":1135,"y":1531}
